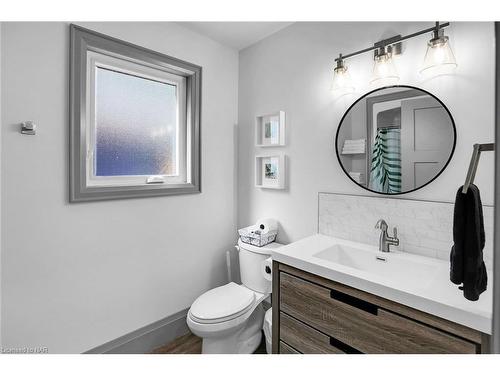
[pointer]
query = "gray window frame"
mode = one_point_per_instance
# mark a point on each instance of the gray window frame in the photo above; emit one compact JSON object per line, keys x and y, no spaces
{"x":83,"y":40}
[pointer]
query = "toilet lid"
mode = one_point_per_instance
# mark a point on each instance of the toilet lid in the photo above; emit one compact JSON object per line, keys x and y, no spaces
{"x":221,"y":304}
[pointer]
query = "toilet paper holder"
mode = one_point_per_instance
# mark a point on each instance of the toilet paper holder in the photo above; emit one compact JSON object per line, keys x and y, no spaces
{"x":266,"y":269}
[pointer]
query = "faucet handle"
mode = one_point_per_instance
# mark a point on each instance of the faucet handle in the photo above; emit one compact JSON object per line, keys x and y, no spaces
{"x":395,"y":239}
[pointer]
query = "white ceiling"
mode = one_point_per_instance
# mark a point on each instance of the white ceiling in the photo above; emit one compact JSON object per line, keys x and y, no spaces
{"x":236,"y":35}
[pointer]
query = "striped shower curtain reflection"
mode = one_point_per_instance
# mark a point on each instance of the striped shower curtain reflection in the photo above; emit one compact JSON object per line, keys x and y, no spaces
{"x":385,"y":172}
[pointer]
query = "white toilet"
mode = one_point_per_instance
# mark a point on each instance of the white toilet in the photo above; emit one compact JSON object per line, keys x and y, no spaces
{"x":229,"y":318}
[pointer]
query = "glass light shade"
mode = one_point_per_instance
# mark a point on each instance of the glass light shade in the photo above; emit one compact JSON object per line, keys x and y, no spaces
{"x":342,"y":83}
{"x":384,"y":71}
{"x":439,"y":58}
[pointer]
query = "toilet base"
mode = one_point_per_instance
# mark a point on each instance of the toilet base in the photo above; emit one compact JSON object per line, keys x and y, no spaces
{"x":245,"y":340}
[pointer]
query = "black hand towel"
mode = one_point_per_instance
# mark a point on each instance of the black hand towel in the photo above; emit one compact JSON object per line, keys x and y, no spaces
{"x":467,"y":265}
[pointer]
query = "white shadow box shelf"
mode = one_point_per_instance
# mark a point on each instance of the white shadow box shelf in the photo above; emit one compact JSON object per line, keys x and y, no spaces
{"x":270,"y":130}
{"x":270,"y":171}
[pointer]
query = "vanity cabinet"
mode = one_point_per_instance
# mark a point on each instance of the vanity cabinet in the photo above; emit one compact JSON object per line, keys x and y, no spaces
{"x":316,"y":315}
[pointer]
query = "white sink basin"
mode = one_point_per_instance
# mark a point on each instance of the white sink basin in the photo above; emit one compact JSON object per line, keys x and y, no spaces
{"x":416,"y":281}
{"x":395,"y":267}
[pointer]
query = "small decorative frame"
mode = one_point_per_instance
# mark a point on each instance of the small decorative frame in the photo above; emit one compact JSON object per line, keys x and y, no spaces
{"x":270,"y":130}
{"x":270,"y":171}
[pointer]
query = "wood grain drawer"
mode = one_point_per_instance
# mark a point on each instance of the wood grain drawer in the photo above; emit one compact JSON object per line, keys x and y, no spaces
{"x":304,"y":338}
{"x":287,"y":349}
{"x":360,"y":324}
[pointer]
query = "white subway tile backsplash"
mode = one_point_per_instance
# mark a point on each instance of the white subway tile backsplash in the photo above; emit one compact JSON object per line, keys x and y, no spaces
{"x":424,"y":227}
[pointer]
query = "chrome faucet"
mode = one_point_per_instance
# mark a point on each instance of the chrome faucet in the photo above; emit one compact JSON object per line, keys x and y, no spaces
{"x":385,"y":240}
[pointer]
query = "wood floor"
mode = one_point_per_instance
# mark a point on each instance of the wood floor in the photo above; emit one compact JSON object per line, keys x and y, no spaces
{"x":187,"y":344}
{"x":191,"y":344}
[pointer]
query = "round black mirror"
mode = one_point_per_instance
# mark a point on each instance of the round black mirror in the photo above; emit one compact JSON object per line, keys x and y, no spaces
{"x":395,"y":140}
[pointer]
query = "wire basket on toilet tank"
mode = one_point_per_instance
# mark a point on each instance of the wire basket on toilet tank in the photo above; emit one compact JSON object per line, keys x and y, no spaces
{"x":255,"y":237}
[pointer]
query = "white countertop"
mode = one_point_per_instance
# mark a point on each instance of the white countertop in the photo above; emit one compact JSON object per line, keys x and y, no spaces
{"x":437,"y":295}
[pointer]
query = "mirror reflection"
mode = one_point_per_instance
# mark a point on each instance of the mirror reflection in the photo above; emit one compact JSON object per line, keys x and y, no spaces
{"x":395,"y":139}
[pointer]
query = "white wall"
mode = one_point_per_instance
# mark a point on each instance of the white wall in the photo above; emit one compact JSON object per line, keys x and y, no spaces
{"x":75,"y":276}
{"x":292,"y":71}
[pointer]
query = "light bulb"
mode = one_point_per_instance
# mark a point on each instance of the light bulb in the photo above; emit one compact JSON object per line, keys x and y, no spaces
{"x":384,"y":71}
{"x":342,"y":83}
{"x":439,"y":58}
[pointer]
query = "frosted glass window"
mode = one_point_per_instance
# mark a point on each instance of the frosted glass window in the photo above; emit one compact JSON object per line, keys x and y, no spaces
{"x":135,"y":126}
{"x":135,"y":121}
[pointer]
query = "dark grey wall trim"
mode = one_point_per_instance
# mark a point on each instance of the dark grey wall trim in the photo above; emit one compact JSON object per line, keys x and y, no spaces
{"x":147,"y":338}
{"x":495,"y":347}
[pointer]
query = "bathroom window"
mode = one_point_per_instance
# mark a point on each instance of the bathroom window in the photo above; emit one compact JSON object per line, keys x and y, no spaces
{"x":137,"y":124}
{"x":134,"y":121}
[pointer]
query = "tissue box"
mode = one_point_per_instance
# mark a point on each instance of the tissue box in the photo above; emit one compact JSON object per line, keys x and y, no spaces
{"x":255,"y":237}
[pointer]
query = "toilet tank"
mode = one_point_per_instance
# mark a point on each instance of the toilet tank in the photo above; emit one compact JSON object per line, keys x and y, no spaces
{"x":251,"y":258}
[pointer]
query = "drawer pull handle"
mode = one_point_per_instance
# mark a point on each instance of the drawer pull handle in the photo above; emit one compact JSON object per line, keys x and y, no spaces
{"x":344,"y":347}
{"x":354,"y":302}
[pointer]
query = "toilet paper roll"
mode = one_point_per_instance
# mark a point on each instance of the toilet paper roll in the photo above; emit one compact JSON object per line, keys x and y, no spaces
{"x":266,"y":225}
{"x":253,"y":228}
{"x":267,"y":269}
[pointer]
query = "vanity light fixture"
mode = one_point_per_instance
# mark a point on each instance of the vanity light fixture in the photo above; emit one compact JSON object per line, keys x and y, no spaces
{"x":439,"y":58}
{"x":384,"y":70}
{"x":342,"y":83}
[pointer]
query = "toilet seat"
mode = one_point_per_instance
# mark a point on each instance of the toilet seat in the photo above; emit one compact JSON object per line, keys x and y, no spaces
{"x":222,"y":304}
